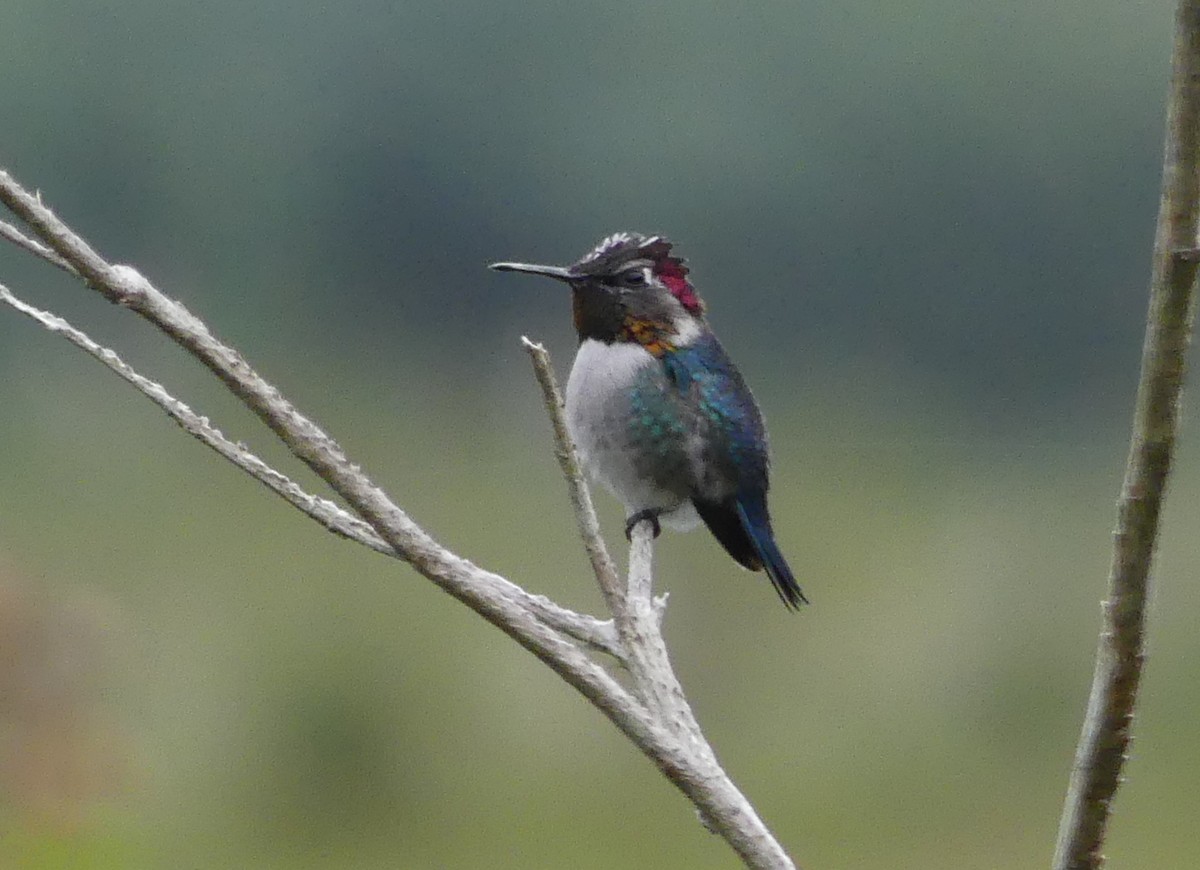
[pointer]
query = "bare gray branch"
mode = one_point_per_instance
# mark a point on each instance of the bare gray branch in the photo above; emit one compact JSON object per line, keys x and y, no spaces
{"x":655,"y":716}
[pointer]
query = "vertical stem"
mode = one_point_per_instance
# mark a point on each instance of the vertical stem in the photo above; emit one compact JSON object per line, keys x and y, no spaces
{"x":581,"y":498}
{"x":1105,"y":738}
{"x":723,"y":808}
{"x":649,"y":663}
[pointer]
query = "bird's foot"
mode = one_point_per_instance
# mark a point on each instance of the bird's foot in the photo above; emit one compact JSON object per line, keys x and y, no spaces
{"x":648,"y":514}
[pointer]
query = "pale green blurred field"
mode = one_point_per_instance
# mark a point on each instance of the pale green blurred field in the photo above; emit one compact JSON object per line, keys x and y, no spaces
{"x":923,"y":230}
{"x":277,"y":698}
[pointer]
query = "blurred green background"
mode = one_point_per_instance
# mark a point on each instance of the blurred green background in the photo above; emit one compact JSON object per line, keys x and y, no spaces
{"x":923,"y":229}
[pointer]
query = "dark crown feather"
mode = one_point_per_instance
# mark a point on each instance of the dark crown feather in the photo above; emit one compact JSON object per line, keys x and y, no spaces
{"x":620,"y":248}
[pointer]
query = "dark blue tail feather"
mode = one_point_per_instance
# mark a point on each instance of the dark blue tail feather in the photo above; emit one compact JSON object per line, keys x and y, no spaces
{"x":756,"y":522}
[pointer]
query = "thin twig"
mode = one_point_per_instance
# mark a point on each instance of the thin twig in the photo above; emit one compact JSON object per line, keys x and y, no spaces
{"x":18,"y":238}
{"x":599,"y":634}
{"x":636,"y":614}
{"x":1106,"y":734}
{"x":587,"y":629}
{"x":581,"y":497}
{"x":322,"y":510}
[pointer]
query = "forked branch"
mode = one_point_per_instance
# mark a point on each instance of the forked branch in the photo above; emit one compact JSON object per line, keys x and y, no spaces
{"x":653,"y":712}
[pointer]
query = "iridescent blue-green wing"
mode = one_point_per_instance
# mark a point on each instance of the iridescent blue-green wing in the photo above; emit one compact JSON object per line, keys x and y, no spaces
{"x":730,"y":478}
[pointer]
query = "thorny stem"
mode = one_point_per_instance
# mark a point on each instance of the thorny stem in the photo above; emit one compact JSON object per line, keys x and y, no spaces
{"x":1104,"y":741}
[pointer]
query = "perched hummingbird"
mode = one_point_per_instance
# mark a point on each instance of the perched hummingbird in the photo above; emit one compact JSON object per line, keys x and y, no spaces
{"x":660,"y":414}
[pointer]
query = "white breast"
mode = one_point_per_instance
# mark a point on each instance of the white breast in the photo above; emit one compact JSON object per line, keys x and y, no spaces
{"x":598,"y":410}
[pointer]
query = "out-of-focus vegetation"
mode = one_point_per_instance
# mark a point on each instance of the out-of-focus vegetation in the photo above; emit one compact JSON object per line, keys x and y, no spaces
{"x":923,"y":228}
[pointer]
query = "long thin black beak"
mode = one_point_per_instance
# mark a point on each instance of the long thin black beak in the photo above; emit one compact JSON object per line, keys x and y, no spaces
{"x":558,"y":272}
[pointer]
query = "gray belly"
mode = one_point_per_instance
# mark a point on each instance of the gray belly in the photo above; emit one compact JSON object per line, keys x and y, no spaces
{"x":622,"y":413}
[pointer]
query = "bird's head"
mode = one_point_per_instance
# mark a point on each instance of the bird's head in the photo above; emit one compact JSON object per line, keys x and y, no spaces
{"x":629,"y":288}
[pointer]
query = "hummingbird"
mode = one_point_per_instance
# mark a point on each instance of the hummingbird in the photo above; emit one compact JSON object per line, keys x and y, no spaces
{"x":660,"y":414}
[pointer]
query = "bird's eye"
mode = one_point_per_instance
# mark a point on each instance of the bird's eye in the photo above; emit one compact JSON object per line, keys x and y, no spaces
{"x":633,"y":278}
